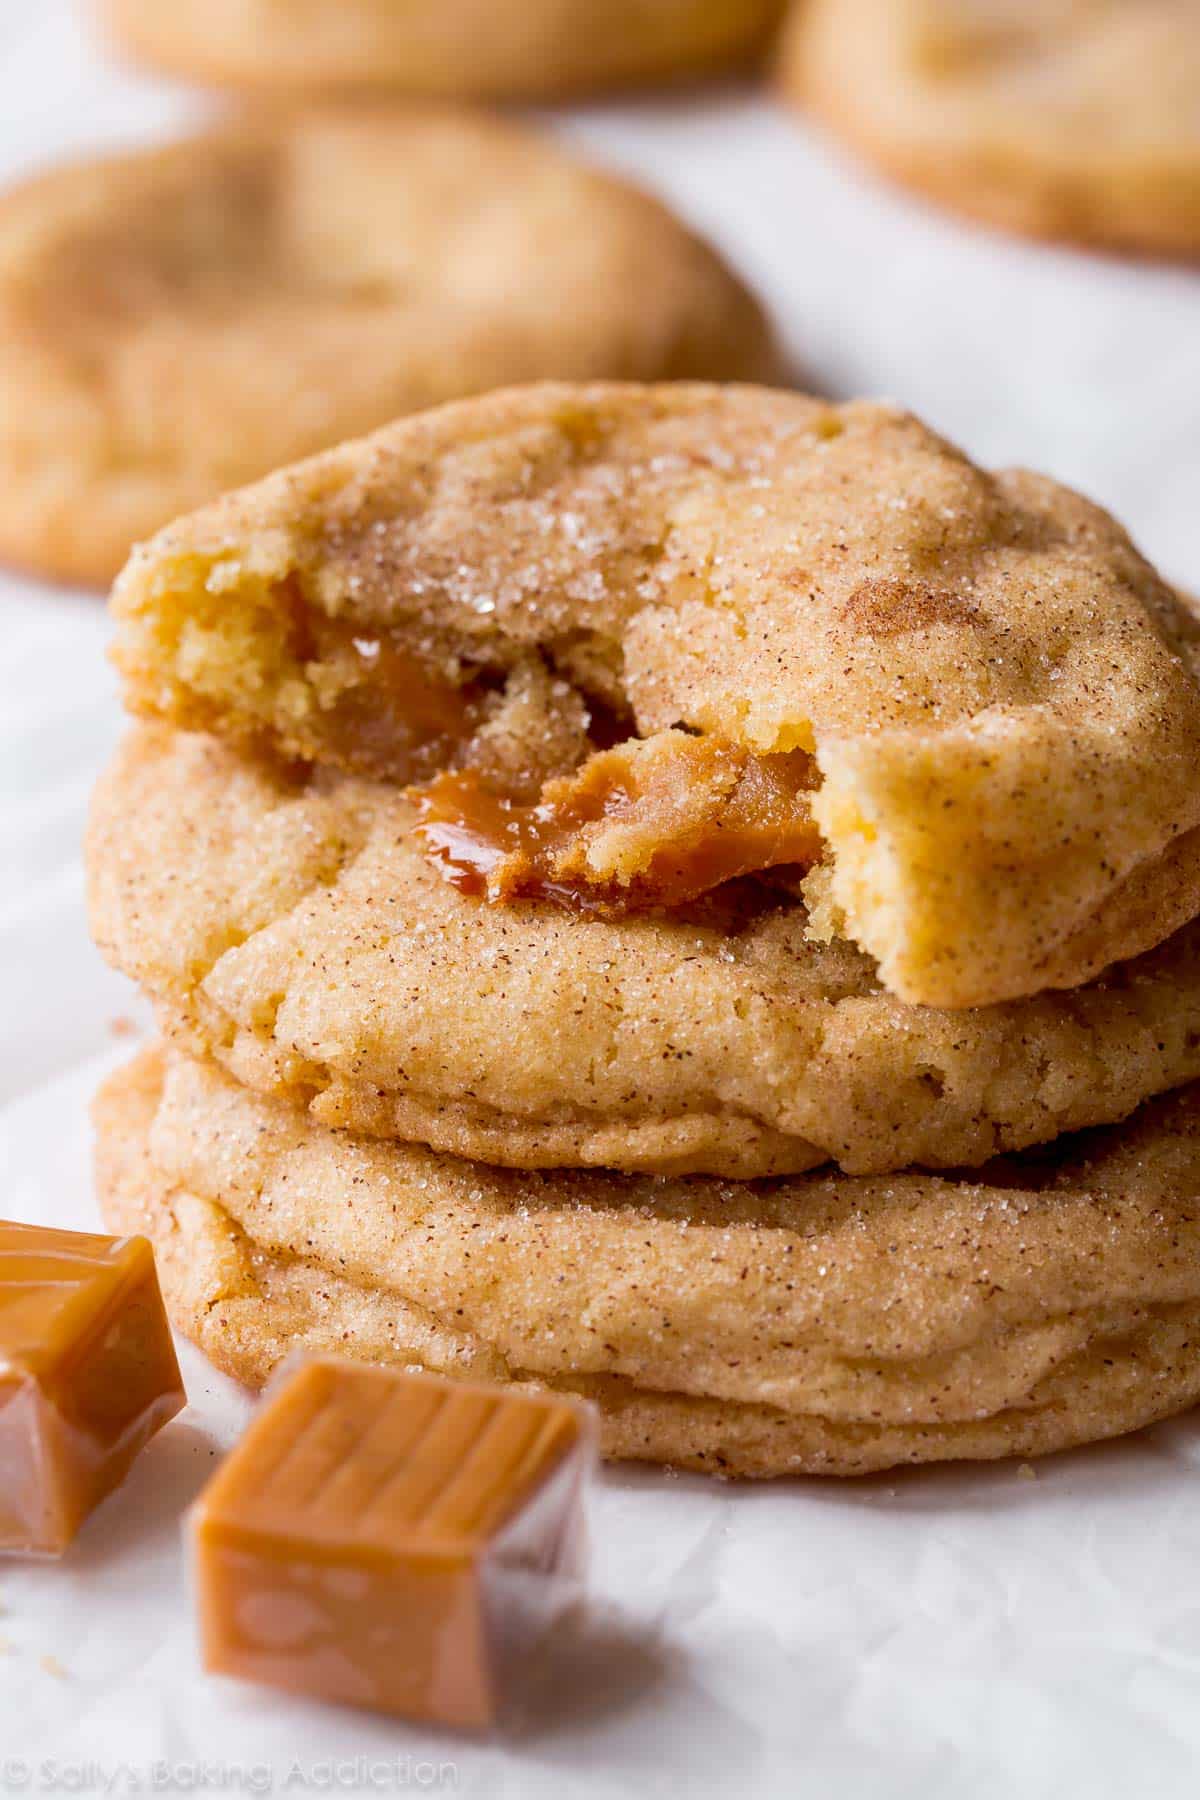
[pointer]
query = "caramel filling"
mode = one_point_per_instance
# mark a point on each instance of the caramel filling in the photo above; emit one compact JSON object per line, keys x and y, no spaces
{"x":649,"y":824}
{"x":641,"y":824}
{"x":385,"y":712}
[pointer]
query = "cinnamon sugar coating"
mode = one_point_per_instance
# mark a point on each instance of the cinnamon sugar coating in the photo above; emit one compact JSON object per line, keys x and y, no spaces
{"x":999,"y":694}
{"x":287,"y":926}
{"x":826,"y":1325}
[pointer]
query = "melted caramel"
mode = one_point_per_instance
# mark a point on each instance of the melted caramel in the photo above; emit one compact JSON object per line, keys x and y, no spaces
{"x":390,"y":714}
{"x":651,"y":823}
{"x":389,"y":1539}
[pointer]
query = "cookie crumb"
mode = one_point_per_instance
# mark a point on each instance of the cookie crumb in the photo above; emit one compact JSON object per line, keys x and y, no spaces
{"x":51,"y":1666}
{"x":1026,"y":1472}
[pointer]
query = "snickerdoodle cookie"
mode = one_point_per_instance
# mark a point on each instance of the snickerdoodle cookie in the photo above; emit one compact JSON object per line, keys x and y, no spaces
{"x":1073,"y":119}
{"x":828,"y":1325}
{"x":289,"y":927}
{"x":482,"y":48}
{"x":815,"y":640}
{"x":177,"y":321}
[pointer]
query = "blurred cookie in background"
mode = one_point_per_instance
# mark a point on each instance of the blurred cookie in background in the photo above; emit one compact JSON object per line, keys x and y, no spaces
{"x":1070,"y":119}
{"x":482,"y":48}
{"x":179,"y":321}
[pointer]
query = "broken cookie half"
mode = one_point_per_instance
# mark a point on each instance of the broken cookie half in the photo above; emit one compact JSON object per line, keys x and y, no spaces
{"x":628,"y":643}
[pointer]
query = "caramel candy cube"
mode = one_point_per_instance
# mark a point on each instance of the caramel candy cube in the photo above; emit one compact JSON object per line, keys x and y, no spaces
{"x":391,"y":1540}
{"x":88,"y":1374}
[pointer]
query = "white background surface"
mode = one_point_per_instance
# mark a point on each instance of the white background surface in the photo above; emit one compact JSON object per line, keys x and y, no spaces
{"x":950,"y":1633}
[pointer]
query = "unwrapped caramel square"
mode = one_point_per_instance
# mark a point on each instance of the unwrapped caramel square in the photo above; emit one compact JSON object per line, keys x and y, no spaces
{"x":391,"y":1540}
{"x":88,"y":1374}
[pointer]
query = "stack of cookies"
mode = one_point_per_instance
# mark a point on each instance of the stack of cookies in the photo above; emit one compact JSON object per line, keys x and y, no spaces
{"x":683,"y":895}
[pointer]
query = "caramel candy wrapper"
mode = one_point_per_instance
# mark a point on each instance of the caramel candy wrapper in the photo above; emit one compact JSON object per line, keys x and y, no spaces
{"x":392,"y":1540}
{"x":88,"y":1374}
